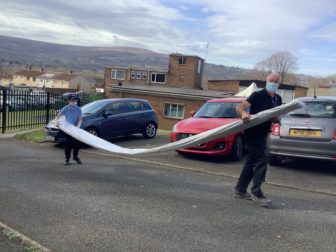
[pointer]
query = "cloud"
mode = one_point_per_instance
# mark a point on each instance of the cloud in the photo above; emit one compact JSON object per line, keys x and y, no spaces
{"x":239,"y":32}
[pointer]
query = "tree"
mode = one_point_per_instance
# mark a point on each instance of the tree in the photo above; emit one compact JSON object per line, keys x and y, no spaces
{"x":281,"y":62}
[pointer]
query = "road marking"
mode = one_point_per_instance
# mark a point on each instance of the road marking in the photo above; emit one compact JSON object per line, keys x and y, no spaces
{"x":25,"y":239}
{"x":209,"y":172}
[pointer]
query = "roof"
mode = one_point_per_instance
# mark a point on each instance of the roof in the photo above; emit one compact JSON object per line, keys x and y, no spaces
{"x":29,"y":73}
{"x":64,"y":76}
{"x":6,"y":76}
{"x":173,"y":92}
{"x":137,"y":68}
{"x":184,"y":55}
{"x":259,"y":83}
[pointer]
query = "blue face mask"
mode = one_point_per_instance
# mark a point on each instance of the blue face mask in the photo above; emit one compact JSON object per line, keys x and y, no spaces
{"x":272,"y":87}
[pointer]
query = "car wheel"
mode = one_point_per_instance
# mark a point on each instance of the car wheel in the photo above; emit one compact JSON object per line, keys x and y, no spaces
{"x":237,"y":149}
{"x":150,"y":130}
{"x":93,"y":131}
{"x":274,"y":160}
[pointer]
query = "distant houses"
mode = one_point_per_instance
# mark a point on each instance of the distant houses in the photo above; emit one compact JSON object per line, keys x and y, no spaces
{"x":41,"y":79}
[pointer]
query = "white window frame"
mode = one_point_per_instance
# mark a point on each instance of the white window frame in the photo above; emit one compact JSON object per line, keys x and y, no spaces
{"x":144,"y":75}
{"x":182,"y":60}
{"x":180,"y":107}
{"x":114,"y":74}
{"x":138,"y":75}
{"x":132,"y":75}
{"x":155,"y":74}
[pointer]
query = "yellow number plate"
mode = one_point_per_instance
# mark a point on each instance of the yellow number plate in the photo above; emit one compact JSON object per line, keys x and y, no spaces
{"x":305,"y":133}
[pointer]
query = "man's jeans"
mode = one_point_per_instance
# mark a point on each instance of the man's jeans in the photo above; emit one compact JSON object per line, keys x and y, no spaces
{"x":255,"y":166}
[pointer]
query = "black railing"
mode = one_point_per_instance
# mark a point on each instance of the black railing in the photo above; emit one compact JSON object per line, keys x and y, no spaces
{"x":24,"y":109}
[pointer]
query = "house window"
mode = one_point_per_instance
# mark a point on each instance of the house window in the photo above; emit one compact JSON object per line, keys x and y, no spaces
{"x":118,"y":74}
{"x":158,"y":78}
{"x":28,"y":78}
{"x":173,"y":110}
{"x":286,"y":95}
{"x":138,"y":75}
{"x":144,"y":75}
{"x":182,"y":60}
{"x":132,"y":75}
{"x":34,"y":79}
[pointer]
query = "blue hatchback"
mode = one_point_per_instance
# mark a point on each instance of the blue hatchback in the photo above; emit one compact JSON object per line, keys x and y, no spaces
{"x":109,"y":118}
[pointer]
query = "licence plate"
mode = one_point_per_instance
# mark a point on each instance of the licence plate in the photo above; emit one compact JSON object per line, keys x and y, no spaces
{"x":50,"y":138}
{"x":305,"y":133}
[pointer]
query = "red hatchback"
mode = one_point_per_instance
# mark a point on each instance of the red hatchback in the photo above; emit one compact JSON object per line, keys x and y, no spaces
{"x":212,"y":114}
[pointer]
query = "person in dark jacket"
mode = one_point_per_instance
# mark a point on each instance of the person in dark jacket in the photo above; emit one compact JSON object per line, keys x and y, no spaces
{"x":73,"y":115}
{"x":256,"y":161}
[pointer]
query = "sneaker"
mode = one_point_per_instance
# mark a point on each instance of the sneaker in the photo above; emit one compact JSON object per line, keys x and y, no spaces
{"x":78,"y":160}
{"x":66,"y":162}
{"x":261,"y":199}
{"x":242,"y":195}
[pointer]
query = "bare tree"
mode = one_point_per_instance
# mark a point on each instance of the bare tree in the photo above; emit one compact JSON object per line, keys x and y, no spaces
{"x":281,"y":62}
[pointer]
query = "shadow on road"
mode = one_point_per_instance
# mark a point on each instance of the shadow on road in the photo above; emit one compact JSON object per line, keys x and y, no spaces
{"x":313,"y":166}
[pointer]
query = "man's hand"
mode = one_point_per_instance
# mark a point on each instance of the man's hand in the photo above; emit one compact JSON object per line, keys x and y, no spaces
{"x":245,"y":117}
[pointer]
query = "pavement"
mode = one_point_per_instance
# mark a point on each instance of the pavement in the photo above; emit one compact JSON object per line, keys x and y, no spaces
{"x":165,"y":202}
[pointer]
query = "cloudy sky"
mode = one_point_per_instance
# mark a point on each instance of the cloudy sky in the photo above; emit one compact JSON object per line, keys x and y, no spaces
{"x":229,"y":32}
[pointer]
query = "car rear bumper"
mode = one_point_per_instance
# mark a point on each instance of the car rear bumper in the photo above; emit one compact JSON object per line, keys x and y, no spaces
{"x":303,"y":149}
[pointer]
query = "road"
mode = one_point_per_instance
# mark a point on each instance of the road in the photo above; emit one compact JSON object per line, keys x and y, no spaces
{"x":157,"y":204}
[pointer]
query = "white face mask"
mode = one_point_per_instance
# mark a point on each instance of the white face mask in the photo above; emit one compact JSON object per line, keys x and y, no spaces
{"x":72,"y":104}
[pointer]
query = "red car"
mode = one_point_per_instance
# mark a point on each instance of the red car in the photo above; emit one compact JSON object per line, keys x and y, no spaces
{"x":212,"y":114}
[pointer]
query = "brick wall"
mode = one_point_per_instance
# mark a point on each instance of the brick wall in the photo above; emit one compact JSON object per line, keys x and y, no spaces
{"x":185,"y":75}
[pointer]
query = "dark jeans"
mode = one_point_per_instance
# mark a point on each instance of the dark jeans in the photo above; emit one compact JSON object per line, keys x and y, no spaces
{"x":71,"y":143}
{"x":255,"y":165}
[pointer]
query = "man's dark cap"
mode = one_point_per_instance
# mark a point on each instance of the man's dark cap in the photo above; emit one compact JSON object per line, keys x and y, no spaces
{"x":72,"y":97}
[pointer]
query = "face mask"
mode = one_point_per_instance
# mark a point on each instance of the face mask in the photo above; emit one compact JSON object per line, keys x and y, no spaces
{"x":272,"y":87}
{"x":72,"y":104}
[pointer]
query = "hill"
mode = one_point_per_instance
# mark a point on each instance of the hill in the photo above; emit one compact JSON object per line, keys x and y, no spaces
{"x":23,"y":52}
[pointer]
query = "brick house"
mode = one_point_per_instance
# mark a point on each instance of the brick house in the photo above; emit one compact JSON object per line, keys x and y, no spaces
{"x":286,"y":91}
{"x":173,"y":92}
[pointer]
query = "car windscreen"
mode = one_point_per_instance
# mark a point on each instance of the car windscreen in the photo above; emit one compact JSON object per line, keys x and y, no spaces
{"x":93,"y":107}
{"x":315,"y":109}
{"x":218,"y":110}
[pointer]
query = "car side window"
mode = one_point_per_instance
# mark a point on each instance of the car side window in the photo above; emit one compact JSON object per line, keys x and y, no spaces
{"x":115,"y":108}
{"x":136,"y":106}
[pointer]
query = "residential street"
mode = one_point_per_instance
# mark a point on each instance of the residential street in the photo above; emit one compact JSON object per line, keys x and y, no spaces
{"x":165,"y":202}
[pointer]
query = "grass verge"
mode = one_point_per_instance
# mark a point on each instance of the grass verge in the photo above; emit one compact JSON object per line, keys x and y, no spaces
{"x":33,"y":136}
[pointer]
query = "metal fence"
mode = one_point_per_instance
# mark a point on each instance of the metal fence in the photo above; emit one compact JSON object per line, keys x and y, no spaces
{"x":24,"y":109}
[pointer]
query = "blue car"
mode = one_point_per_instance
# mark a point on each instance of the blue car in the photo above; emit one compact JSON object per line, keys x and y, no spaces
{"x":109,"y":118}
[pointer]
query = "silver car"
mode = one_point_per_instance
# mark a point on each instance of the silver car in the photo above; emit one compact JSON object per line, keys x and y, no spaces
{"x":308,"y":132}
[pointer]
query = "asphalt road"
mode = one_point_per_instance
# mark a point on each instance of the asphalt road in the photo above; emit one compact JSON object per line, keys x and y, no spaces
{"x":117,"y":204}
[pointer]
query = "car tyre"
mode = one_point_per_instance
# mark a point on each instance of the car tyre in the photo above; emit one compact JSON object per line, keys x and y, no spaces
{"x":93,"y":131}
{"x":237,"y":149}
{"x":150,"y":130}
{"x":274,"y":160}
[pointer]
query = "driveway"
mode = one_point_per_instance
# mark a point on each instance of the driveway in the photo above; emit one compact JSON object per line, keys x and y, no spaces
{"x":118,"y":204}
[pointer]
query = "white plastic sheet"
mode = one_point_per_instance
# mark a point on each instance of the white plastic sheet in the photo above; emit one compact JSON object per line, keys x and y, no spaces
{"x":222,"y":131}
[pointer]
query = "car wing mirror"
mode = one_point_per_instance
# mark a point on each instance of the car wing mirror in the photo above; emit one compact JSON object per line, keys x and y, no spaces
{"x":192,"y":113}
{"x":107,"y":113}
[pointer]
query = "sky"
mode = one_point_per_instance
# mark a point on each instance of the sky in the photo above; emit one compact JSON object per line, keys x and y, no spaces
{"x":237,"y":33}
